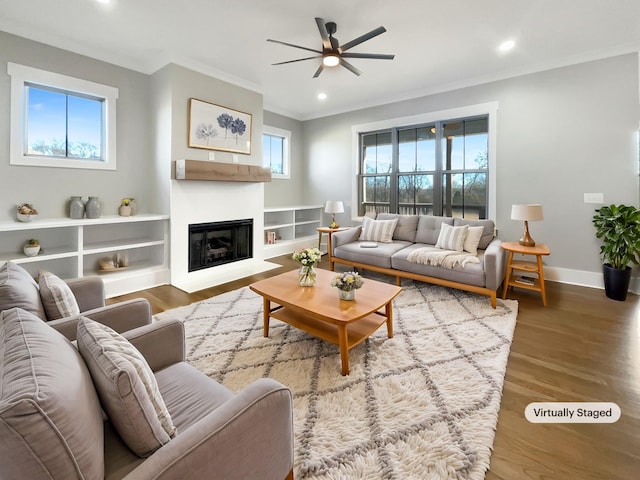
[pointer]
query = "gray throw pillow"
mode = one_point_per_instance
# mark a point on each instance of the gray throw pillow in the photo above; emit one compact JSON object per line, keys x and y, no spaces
{"x":57,"y":298}
{"x":377,"y":230}
{"x":19,"y":289}
{"x":127,"y":388}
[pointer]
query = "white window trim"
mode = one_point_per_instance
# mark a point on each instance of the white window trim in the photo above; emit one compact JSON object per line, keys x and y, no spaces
{"x":286,"y":149}
{"x":21,"y":74}
{"x":489,"y":108}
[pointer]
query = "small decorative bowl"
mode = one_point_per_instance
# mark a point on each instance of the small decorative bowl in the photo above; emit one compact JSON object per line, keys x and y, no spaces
{"x":25,"y":218}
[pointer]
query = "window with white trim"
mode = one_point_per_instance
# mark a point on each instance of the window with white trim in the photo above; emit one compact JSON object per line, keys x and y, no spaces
{"x":275,"y":151}
{"x":61,"y":121}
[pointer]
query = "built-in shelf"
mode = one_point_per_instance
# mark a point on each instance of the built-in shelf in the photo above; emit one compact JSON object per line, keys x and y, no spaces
{"x":220,"y":172}
{"x":293,"y":227}
{"x":74,"y":248}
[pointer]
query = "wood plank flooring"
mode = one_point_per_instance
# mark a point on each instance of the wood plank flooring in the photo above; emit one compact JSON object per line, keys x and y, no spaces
{"x":581,"y":347}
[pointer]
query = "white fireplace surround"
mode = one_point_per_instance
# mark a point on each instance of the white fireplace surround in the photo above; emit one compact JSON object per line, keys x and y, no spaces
{"x":201,"y":202}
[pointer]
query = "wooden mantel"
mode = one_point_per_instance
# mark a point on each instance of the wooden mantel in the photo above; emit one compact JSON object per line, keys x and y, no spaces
{"x":220,"y":172}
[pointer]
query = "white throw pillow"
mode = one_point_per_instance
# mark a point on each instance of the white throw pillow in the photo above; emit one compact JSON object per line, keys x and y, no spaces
{"x":452,"y":238}
{"x":57,"y":298}
{"x":472,"y":239}
{"x":377,"y":230}
{"x":127,"y":388}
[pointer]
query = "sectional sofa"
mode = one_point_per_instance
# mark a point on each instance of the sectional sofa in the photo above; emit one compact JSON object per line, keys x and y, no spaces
{"x":452,"y":252}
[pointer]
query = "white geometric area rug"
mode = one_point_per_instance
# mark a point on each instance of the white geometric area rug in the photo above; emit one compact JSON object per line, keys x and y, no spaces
{"x":421,"y":405}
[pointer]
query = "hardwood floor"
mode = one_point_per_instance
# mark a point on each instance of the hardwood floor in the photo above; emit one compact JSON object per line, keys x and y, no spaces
{"x":582,"y":347}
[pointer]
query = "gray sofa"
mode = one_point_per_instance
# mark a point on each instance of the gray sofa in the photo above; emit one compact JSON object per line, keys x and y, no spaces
{"x":416,"y":231}
{"x":19,"y":289}
{"x":52,"y":425}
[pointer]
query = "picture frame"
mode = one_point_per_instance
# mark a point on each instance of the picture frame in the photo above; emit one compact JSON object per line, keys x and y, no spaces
{"x":214,"y":127}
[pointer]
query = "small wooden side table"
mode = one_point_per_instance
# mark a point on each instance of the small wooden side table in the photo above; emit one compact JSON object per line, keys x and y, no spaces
{"x":538,"y":250}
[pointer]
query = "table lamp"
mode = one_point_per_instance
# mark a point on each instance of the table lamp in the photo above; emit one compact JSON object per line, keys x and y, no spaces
{"x":527,"y":213}
{"x":333,"y":208}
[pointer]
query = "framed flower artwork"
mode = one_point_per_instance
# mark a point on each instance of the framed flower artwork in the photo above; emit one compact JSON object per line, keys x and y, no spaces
{"x":213,"y":127}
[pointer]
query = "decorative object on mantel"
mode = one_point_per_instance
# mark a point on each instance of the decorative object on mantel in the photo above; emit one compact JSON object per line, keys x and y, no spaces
{"x":31,"y":248}
{"x":76,"y":208}
{"x":221,"y":172}
{"x":26,"y":212}
{"x":125,"y":208}
{"x":527,"y":213}
{"x":334,"y":207}
{"x":213,"y":127}
{"x":93,"y":208}
{"x":347,"y":283}
{"x":307,"y":258}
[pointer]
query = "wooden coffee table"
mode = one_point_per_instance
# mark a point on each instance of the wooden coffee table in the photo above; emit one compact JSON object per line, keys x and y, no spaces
{"x":318,"y":311}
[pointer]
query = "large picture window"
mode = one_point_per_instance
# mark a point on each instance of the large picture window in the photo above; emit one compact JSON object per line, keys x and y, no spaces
{"x":60,"y":121}
{"x":438,"y":168}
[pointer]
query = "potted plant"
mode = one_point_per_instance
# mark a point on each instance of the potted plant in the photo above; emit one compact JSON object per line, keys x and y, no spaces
{"x":125,"y":208}
{"x":307,"y":258}
{"x":618,"y":226}
{"x":31,"y":248}
{"x":347,"y":283}
{"x":26,"y":212}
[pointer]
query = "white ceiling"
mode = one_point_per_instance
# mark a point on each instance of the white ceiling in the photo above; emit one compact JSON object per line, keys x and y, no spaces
{"x":439,"y":45}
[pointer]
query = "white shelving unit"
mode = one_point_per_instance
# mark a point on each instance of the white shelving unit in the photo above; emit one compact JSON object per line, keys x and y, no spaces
{"x":73,"y":248}
{"x":294,"y":227}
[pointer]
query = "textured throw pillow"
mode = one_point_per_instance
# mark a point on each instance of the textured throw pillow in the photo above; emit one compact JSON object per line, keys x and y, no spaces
{"x":126,"y":386}
{"x":377,"y":230}
{"x":19,"y":289}
{"x":452,"y":238}
{"x":57,"y":298}
{"x":472,"y":239}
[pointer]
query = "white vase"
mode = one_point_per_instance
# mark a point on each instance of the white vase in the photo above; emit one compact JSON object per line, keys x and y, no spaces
{"x":347,"y":294}
{"x":31,"y":250}
{"x":307,"y":276}
{"x":124,"y":211}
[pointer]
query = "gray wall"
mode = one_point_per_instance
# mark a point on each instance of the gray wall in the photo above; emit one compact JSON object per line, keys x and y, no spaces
{"x":50,"y":188}
{"x":287,"y":192}
{"x":561,"y":133}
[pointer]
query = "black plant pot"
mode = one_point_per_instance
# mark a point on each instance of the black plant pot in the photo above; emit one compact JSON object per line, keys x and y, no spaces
{"x":616,"y":282}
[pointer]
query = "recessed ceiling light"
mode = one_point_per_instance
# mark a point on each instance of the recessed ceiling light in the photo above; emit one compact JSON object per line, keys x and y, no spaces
{"x":506,"y":46}
{"x":322,"y":96}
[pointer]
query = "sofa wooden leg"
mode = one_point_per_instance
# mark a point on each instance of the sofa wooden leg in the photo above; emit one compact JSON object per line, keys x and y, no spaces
{"x":290,"y":476}
{"x":493,"y":300}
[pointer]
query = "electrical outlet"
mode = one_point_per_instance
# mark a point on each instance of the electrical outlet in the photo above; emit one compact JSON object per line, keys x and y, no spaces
{"x":212,"y":156}
{"x":594,"y":198}
{"x":235,"y":158}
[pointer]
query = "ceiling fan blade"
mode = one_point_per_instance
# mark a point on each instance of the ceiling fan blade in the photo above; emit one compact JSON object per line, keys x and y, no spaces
{"x":297,"y":60}
{"x":377,"y":56}
{"x":319,"y":71}
{"x":322,"y":27}
{"x":362,"y":38}
{"x":349,"y":67}
{"x":294,"y":46}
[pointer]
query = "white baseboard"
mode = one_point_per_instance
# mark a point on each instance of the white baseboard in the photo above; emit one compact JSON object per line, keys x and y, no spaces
{"x":584,"y":278}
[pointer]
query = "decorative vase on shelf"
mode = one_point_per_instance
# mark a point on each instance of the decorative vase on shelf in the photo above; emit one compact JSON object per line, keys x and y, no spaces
{"x":347,"y":294}
{"x":307,"y":276}
{"x":124,"y":211}
{"x":76,"y":208}
{"x":93,"y":208}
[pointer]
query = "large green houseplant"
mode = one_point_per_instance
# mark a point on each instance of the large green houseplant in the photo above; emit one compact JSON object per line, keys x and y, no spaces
{"x":618,"y":226}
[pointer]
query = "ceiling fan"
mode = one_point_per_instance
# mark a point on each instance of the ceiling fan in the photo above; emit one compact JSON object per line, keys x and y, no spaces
{"x":332,"y":52}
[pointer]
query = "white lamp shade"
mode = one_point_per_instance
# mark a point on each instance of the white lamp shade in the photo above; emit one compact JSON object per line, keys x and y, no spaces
{"x":530,"y":213}
{"x":334,"y":207}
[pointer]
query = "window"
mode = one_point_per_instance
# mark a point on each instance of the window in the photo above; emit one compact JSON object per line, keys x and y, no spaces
{"x":275,"y":151}
{"x":437,"y":168}
{"x":60,"y":121}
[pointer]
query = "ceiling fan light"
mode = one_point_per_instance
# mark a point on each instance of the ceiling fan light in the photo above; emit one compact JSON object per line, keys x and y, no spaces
{"x":330,"y":60}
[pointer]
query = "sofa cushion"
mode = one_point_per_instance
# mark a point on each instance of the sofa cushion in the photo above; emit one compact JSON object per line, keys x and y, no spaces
{"x":452,"y":238}
{"x":488,"y":233}
{"x":429,"y":228}
{"x":377,"y":230}
{"x":378,"y":257}
{"x":51,"y":424}
{"x":57,"y":298}
{"x":19,"y":289}
{"x":406,"y":227}
{"x":127,"y":388}
{"x":472,"y":239}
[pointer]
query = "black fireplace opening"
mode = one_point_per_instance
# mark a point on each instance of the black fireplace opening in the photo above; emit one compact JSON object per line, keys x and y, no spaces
{"x":217,"y":243}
